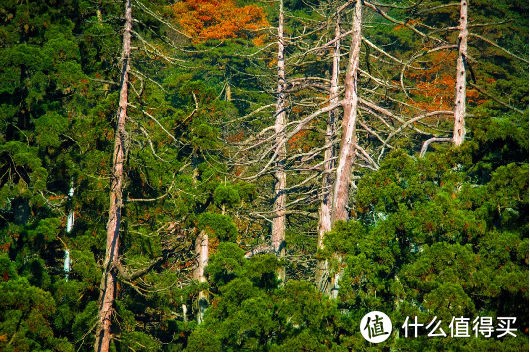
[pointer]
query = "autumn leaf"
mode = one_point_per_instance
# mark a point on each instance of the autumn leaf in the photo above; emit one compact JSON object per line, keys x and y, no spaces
{"x":216,"y":19}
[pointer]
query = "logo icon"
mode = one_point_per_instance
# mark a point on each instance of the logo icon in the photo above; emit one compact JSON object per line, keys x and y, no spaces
{"x":376,"y":327}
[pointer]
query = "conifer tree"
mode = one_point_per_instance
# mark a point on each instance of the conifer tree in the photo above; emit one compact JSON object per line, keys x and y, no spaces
{"x":443,"y":233}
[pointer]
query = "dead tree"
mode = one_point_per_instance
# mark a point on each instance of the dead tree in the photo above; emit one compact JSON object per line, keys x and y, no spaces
{"x":201,"y":251}
{"x":326,"y":206}
{"x":349,"y":120}
{"x":109,"y":276}
{"x":278,"y":223}
{"x":460,"y":95}
{"x":349,"y":138}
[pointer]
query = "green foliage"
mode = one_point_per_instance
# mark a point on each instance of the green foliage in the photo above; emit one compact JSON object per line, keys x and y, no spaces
{"x":226,"y":195}
{"x":25,"y":325}
{"x":224,"y":265}
{"x":85,"y":267}
{"x":203,"y":340}
{"x":217,"y":225}
{"x":250,"y":312}
{"x":430,"y":241}
{"x":83,"y":323}
{"x":445,"y":235}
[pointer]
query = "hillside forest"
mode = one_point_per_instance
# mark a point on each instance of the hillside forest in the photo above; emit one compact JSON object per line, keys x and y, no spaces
{"x":259,"y":175}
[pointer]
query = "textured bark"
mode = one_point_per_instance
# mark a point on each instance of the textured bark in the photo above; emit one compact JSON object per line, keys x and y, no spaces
{"x":349,"y":138}
{"x":201,"y":250}
{"x":109,"y":277}
{"x":460,"y":96}
{"x":278,"y":223}
{"x":324,"y":217}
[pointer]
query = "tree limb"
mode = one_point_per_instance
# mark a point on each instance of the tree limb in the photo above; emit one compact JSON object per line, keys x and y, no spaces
{"x":428,"y":142}
{"x":135,"y":275}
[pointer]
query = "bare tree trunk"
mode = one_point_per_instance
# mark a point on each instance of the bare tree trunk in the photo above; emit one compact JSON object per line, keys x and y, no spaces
{"x":324,"y":220}
{"x":201,"y":250}
{"x":109,"y":277}
{"x":228,"y":92}
{"x":460,"y":96}
{"x":349,"y":137}
{"x":278,"y":223}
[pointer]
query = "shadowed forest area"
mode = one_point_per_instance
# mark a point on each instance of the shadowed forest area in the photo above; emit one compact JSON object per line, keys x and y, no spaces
{"x":244,"y":175}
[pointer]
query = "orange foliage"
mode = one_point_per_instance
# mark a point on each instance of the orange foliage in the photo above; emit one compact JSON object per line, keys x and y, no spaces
{"x":236,"y":137}
{"x":437,"y":84}
{"x":5,"y":248}
{"x":213,"y":245}
{"x":297,"y":109}
{"x":218,"y":19}
{"x":297,"y":141}
{"x":410,"y":22}
{"x":239,"y":170}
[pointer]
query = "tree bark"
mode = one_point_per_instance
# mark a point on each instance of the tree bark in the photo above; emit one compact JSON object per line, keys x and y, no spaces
{"x":278,"y":223}
{"x":460,"y":96}
{"x":201,"y":250}
{"x":349,"y":138}
{"x":109,"y":277}
{"x":428,"y":142}
{"x":324,"y":220}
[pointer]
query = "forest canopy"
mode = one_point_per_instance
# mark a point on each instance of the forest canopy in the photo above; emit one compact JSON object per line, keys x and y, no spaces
{"x":241,"y":175}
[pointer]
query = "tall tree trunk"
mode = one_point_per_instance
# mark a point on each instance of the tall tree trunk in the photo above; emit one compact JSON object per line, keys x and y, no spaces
{"x":460,"y":96}
{"x":109,"y":277}
{"x":278,"y":223}
{"x":324,"y":218}
{"x":201,"y":250}
{"x":349,"y":137}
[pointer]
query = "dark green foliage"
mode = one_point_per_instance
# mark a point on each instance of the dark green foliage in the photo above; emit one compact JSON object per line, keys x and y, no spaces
{"x":26,"y":312}
{"x":250,"y":312}
{"x":434,"y":238}
{"x":224,"y":265}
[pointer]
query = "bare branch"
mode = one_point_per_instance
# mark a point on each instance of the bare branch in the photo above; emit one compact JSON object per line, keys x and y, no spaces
{"x":499,"y":47}
{"x":298,"y":128}
{"x":137,"y":274}
{"x":407,"y":123}
{"x":429,"y":141}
